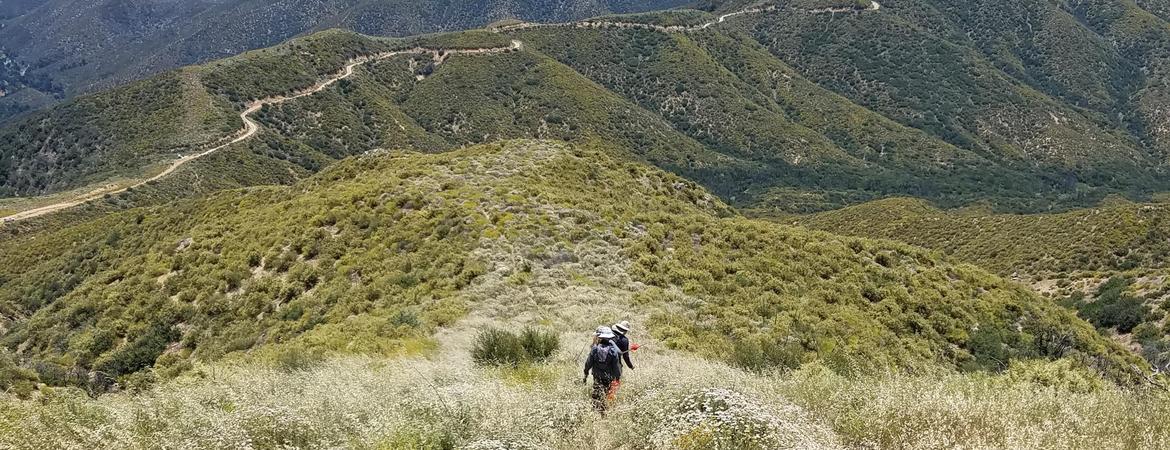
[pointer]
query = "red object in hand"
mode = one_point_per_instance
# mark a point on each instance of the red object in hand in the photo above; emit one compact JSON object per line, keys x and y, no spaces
{"x":634,"y":347}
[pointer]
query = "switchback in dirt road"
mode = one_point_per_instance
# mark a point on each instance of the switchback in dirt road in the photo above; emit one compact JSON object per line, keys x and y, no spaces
{"x":251,"y":128}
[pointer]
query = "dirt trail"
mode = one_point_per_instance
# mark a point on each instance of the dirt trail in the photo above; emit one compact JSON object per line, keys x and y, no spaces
{"x":251,"y":127}
{"x":873,"y":6}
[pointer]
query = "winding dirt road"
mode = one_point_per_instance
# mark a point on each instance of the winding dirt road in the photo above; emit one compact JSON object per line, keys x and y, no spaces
{"x":873,"y":6}
{"x":251,"y":127}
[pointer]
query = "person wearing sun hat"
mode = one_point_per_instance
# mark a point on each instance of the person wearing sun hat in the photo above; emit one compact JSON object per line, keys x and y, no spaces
{"x":604,"y":363}
{"x":622,"y":341}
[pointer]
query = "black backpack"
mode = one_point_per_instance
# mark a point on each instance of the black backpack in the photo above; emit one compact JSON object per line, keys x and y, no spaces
{"x":605,"y":361}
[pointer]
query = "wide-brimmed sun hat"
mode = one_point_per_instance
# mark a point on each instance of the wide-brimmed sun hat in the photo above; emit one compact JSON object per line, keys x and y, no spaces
{"x":622,"y":327}
{"x":604,"y":332}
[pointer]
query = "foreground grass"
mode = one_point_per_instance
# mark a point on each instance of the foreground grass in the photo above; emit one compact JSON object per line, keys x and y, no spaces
{"x":669,"y":402}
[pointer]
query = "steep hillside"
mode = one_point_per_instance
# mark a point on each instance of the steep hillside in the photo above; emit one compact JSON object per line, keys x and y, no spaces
{"x":1107,"y":262}
{"x":1022,"y":105}
{"x":728,"y":93}
{"x":324,"y":243}
{"x":954,"y":91}
{"x":371,"y":255}
{"x":74,"y":46}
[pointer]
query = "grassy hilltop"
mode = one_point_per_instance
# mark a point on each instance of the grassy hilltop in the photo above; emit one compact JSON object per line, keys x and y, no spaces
{"x":377,"y":251}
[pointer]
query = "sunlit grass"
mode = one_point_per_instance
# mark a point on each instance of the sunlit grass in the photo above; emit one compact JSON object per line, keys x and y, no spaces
{"x":671,"y":401}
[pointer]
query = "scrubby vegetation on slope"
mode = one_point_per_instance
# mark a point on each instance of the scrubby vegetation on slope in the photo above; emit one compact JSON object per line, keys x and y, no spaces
{"x":1108,"y":262}
{"x":818,"y":149}
{"x":952,"y":92}
{"x":1110,"y":238}
{"x":108,"y":134}
{"x":125,"y":132}
{"x":370,"y":255}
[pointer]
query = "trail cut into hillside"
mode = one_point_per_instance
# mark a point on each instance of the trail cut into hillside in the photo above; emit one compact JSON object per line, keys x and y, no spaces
{"x":251,"y":128}
{"x":873,"y":6}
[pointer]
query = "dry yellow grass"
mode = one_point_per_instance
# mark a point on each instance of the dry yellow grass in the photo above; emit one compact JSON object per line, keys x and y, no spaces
{"x":671,"y":401}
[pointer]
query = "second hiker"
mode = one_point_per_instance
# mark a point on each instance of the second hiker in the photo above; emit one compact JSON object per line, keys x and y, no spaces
{"x":623,"y":342}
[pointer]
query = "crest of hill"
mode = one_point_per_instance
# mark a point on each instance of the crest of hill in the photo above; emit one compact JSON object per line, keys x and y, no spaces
{"x":369,"y":256}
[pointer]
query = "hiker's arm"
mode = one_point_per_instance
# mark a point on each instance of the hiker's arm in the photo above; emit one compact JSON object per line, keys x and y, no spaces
{"x":588,"y":364}
{"x":626,"y":356}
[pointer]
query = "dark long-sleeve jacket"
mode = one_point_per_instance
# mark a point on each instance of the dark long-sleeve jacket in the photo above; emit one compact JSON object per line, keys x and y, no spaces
{"x":623,"y":345}
{"x":604,"y":362}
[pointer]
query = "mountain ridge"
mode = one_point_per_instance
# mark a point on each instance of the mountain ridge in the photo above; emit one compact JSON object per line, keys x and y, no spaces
{"x":158,"y":286}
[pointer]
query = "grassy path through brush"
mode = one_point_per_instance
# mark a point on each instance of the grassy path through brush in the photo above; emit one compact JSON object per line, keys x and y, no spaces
{"x":251,"y":127}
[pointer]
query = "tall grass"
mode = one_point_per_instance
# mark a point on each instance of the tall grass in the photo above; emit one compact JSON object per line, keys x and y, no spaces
{"x":669,"y":402}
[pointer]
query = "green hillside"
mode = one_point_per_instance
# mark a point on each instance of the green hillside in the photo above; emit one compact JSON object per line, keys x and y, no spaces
{"x":728,"y":93}
{"x":127,"y":131}
{"x":954,"y":93}
{"x":1113,"y":237}
{"x":1108,"y":262}
{"x":371,"y":255}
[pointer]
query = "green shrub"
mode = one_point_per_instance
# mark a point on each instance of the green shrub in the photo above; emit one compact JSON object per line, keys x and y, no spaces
{"x":1113,"y":308}
{"x":498,"y":348}
{"x":139,"y":382}
{"x":1146,"y":331}
{"x":504,"y":348}
{"x":296,"y":359}
{"x":539,"y":344}
{"x":761,"y":353}
{"x":15,"y":379}
{"x":1060,"y":374}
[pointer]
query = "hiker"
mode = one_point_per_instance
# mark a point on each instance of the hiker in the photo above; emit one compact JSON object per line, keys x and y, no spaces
{"x":605,"y":364}
{"x":623,"y":341}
